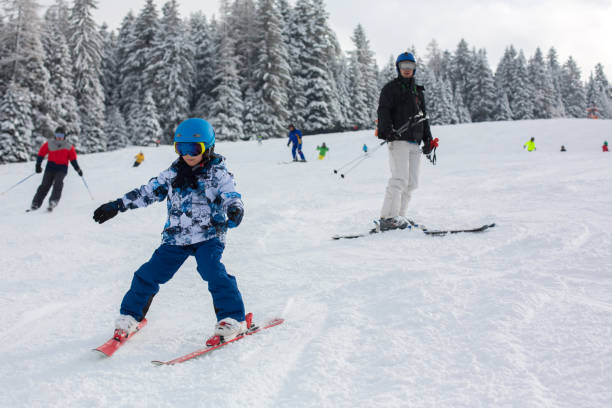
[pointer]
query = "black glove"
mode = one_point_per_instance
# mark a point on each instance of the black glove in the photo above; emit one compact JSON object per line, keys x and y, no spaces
{"x":184,"y":176}
{"x":107,"y":211}
{"x":38,"y":168}
{"x":234,"y":215}
{"x":80,"y":172}
{"x":427,"y":146}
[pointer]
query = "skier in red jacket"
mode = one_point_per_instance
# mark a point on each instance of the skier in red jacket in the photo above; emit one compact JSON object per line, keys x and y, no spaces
{"x":60,"y":153}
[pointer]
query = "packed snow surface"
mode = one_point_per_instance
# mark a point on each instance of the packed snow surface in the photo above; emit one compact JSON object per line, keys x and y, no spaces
{"x":519,"y":316}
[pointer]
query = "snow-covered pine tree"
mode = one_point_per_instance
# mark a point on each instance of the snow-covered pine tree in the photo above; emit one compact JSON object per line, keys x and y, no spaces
{"x":462,"y":112}
{"x":15,"y":125}
{"x":336,"y":59}
{"x":146,"y":124}
{"x":597,"y":92}
{"x":297,"y":49}
{"x":271,"y":73}
{"x":86,"y":44}
{"x":116,"y":129}
{"x":243,"y":27}
{"x":23,"y":62}
{"x":543,"y":89}
{"x":481,"y":87}
{"x":502,"y":109}
{"x":63,"y":109}
{"x":387,"y":73}
{"x":109,"y":68}
{"x":253,"y":109}
{"x":505,"y":73}
{"x":461,"y":71}
{"x":434,"y":59}
{"x":448,"y":113}
{"x":172,"y":70}
{"x":203,"y":64}
{"x":522,"y":101}
{"x":572,"y":90}
{"x":366,"y":59}
{"x":358,"y":95}
{"x":318,"y":114}
{"x":555,"y":74}
{"x":135,"y":54}
{"x":227,"y":108}
{"x":125,"y":38}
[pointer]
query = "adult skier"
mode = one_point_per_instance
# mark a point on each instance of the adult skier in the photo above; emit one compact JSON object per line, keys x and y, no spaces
{"x":202,"y":204}
{"x":60,"y":153}
{"x":295,"y":138}
{"x":604,"y":148}
{"x":530,"y":145}
{"x":323,"y":149}
{"x":139,"y":158}
{"x":401,"y":108}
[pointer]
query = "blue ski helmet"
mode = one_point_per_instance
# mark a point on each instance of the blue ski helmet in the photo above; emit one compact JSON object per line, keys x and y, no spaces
{"x":404,"y":56}
{"x":195,"y":130}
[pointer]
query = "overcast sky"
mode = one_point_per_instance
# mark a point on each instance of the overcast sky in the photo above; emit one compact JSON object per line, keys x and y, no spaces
{"x":580,"y":28}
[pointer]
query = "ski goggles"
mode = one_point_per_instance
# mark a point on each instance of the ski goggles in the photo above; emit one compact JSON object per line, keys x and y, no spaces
{"x":407,"y":65}
{"x":60,"y":135}
{"x":189,"y":148}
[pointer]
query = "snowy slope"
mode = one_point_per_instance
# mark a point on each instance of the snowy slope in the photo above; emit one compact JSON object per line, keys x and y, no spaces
{"x":519,"y":316}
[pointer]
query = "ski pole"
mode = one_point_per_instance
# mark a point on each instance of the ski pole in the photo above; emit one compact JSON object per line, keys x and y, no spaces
{"x":21,"y":181}
{"x":361,"y":159}
{"x":87,"y":187}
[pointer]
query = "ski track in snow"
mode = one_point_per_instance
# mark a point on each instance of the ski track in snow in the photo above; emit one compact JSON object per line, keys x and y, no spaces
{"x":519,"y":316}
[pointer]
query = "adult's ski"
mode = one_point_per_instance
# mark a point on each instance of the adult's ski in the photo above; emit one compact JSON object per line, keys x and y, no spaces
{"x":416,"y":226}
{"x":118,"y":340}
{"x":197,"y":353}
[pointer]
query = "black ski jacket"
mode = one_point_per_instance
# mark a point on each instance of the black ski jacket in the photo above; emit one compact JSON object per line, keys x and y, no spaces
{"x":402,"y":100}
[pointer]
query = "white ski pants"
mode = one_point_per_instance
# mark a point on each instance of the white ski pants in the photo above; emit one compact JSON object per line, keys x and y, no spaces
{"x":404,"y":161}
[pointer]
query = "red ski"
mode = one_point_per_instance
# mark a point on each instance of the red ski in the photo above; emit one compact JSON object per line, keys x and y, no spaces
{"x":117,"y":341}
{"x":251,"y":330}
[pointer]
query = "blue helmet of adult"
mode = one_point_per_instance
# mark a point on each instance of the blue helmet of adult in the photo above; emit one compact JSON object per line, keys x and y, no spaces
{"x":404,"y":56}
{"x":195,"y":130}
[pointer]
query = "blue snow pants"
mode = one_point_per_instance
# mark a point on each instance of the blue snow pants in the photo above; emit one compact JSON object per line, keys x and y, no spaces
{"x":297,"y":147}
{"x":164,"y":263}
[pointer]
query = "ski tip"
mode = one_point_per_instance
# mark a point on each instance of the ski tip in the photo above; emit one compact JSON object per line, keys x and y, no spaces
{"x":157,"y":363}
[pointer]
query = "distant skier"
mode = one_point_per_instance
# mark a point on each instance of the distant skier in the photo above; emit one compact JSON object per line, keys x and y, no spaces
{"x":402,"y":102}
{"x":60,"y":153}
{"x":530,"y":145}
{"x":604,"y":148}
{"x":202,"y":205}
{"x":323,"y":149}
{"x":295,"y":137}
{"x":139,"y":158}
{"x":563,"y":148}
{"x":365,"y":148}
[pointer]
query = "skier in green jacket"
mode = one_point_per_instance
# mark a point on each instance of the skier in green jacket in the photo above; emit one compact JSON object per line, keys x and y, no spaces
{"x":322,"y":151}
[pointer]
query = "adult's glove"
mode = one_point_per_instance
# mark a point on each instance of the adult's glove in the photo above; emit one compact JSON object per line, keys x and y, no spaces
{"x":38,"y":168}
{"x":184,"y":176}
{"x":80,"y":172}
{"x":107,"y":211}
{"x":429,"y":145}
{"x":234,"y":215}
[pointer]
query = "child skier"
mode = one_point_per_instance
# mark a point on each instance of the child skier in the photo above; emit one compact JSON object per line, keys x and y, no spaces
{"x":604,"y":148}
{"x":295,"y":137}
{"x":530,"y":145}
{"x":202,"y":203}
{"x":323,"y":149}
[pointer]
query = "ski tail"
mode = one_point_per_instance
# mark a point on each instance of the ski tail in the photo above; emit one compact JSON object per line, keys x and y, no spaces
{"x":252,"y":329}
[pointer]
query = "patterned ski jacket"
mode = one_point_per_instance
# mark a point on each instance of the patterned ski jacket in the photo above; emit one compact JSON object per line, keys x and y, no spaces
{"x":194,"y":215}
